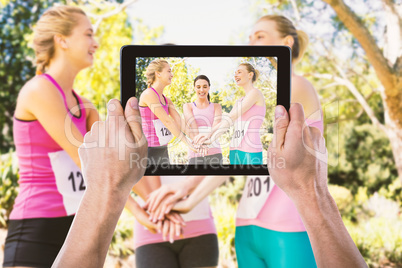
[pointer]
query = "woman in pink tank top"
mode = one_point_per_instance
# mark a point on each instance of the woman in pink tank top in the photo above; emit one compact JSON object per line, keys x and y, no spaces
{"x":271,"y":220}
{"x":246,"y":116}
{"x":47,"y":133}
{"x":200,"y":117}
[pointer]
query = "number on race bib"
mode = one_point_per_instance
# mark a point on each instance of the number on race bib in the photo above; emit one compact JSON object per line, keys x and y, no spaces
{"x":254,"y":186}
{"x":165,"y":132}
{"x":72,"y":179}
{"x":240,"y":130}
{"x":255,"y":194}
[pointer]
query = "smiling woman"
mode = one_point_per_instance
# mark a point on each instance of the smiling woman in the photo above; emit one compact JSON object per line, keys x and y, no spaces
{"x":51,"y":182}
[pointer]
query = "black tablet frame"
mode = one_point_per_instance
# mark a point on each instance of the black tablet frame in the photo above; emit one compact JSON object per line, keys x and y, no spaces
{"x":129,"y":53}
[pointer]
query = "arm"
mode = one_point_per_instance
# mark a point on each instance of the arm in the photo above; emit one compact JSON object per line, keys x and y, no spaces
{"x":109,"y":181}
{"x":206,"y":187}
{"x":151,"y":100}
{"x":159,"y":204}
{"x":304,"y":180}
{"x":238,"y":110}
{"x":176,"y":116}
{"x":51,"y":113}
{"x":91,"y":112}
{"x":191,"y":125}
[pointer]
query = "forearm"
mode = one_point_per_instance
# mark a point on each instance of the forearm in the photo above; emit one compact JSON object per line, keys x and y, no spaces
{"x":147,"y":185}
{"x":132,"y":206}
{"x":192,"y":182}
{"x":205,"y":187}
{"x":90,"y":235}
{"x":331,"y":242}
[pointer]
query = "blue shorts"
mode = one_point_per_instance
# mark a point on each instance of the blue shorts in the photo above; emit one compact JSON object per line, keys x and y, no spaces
{"x":258,"y":247}
{"x":237,"y":157}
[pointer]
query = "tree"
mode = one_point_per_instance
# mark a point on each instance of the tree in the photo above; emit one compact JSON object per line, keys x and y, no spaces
{"x":16,"y":20}
{"x":387,"y":65}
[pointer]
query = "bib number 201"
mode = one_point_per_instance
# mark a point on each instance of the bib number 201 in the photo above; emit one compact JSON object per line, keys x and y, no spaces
{"x":78,"y":176}
{"x":256,"y":185}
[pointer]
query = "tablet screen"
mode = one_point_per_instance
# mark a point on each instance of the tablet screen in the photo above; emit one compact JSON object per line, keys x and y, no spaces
{"x":221,"y":104}
{"x":226,"y":81}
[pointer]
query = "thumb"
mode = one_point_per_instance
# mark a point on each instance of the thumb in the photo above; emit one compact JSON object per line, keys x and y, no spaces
{"x":114,"y":109}
{"x":133,"y":118}
{"x":281,"y":126}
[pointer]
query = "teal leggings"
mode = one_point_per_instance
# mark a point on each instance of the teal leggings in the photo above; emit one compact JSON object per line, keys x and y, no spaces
{"x":237,"y":157}
{"x":258,"y":247}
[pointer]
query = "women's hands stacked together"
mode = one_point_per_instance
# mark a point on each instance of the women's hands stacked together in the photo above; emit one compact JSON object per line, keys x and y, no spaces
{"x":201,"y":142}
{"x":157,"y":214}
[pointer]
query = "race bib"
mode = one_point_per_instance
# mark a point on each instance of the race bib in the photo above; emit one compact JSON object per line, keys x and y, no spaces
{"x":255,"y":194}
{"x":69,"y":180}
{"x":240,"y":130}
{"x":163,"y":133}
{"x":199,"y":212}
{"x":205,"y":129}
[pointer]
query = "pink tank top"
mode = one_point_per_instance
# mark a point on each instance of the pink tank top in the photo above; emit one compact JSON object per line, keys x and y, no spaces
{"x":248,"y":137}
{"x":199,"y":221}
{"x":149,"y":121}
{"x":205,"y":118}
{"x":279,"y":213}
{"x":38,"y":195}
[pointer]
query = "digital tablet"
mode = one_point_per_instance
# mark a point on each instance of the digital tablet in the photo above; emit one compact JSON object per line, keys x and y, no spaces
{"x":232,"y":128}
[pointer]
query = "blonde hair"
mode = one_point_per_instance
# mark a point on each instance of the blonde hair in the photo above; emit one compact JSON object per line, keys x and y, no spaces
{"x":155,"y":66}
{"x":285,"y":27}
{"x":55,"y":20}
{"x":250,"y":68}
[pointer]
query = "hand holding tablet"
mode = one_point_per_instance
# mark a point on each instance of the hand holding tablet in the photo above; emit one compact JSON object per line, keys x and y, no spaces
{"x":238,"y":101}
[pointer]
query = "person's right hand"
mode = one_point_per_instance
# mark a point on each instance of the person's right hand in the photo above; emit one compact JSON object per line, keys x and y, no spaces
{"x":202,"y":138}
{"x":115,"y":142}
{"x":297,"y":154}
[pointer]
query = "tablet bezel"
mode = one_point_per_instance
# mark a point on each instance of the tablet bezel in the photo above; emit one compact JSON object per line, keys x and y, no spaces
{"x":127,"y":90}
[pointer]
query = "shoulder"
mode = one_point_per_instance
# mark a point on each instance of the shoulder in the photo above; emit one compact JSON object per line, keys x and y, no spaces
{"x":188,"y":106}
{"x":36,"y":88}
{"x":217,"y":106}
{"x":303,"y":92}
{"x":148,"y":96}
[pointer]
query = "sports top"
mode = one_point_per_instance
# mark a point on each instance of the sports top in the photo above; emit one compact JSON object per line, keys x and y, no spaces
{"x":199,"y":221}
{"x":155,"y":132}
{"x":40,"y":158}
{"x":204,"y":118}
{"x":246,"y":136}
{"x":278,"y":212}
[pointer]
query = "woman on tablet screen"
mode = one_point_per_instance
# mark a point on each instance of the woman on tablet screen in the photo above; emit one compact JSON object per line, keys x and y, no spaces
{"x":201,"y":116}
{"x":51,"y":184}
{"x":247,"y":116}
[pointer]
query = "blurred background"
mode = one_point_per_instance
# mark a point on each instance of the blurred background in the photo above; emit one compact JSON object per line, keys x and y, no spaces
{"x":353,"y":60}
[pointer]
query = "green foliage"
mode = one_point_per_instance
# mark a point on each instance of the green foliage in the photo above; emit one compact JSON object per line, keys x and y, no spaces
{"x":16,"y":68}
{"x":367,"y":161}
{"x":379,"y":240}
{"x":8,"y":185}
{"x":101,"y":82}
{"x":224,"y":202}
{"x":120,"y":245}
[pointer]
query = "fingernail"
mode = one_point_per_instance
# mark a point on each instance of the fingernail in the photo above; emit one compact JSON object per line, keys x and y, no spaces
{"x":279,"y":111}
{"x":111,"y":107}
{"x":134,"y":103}
{"x":164,"y":238}
{"x":171,"y":241}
